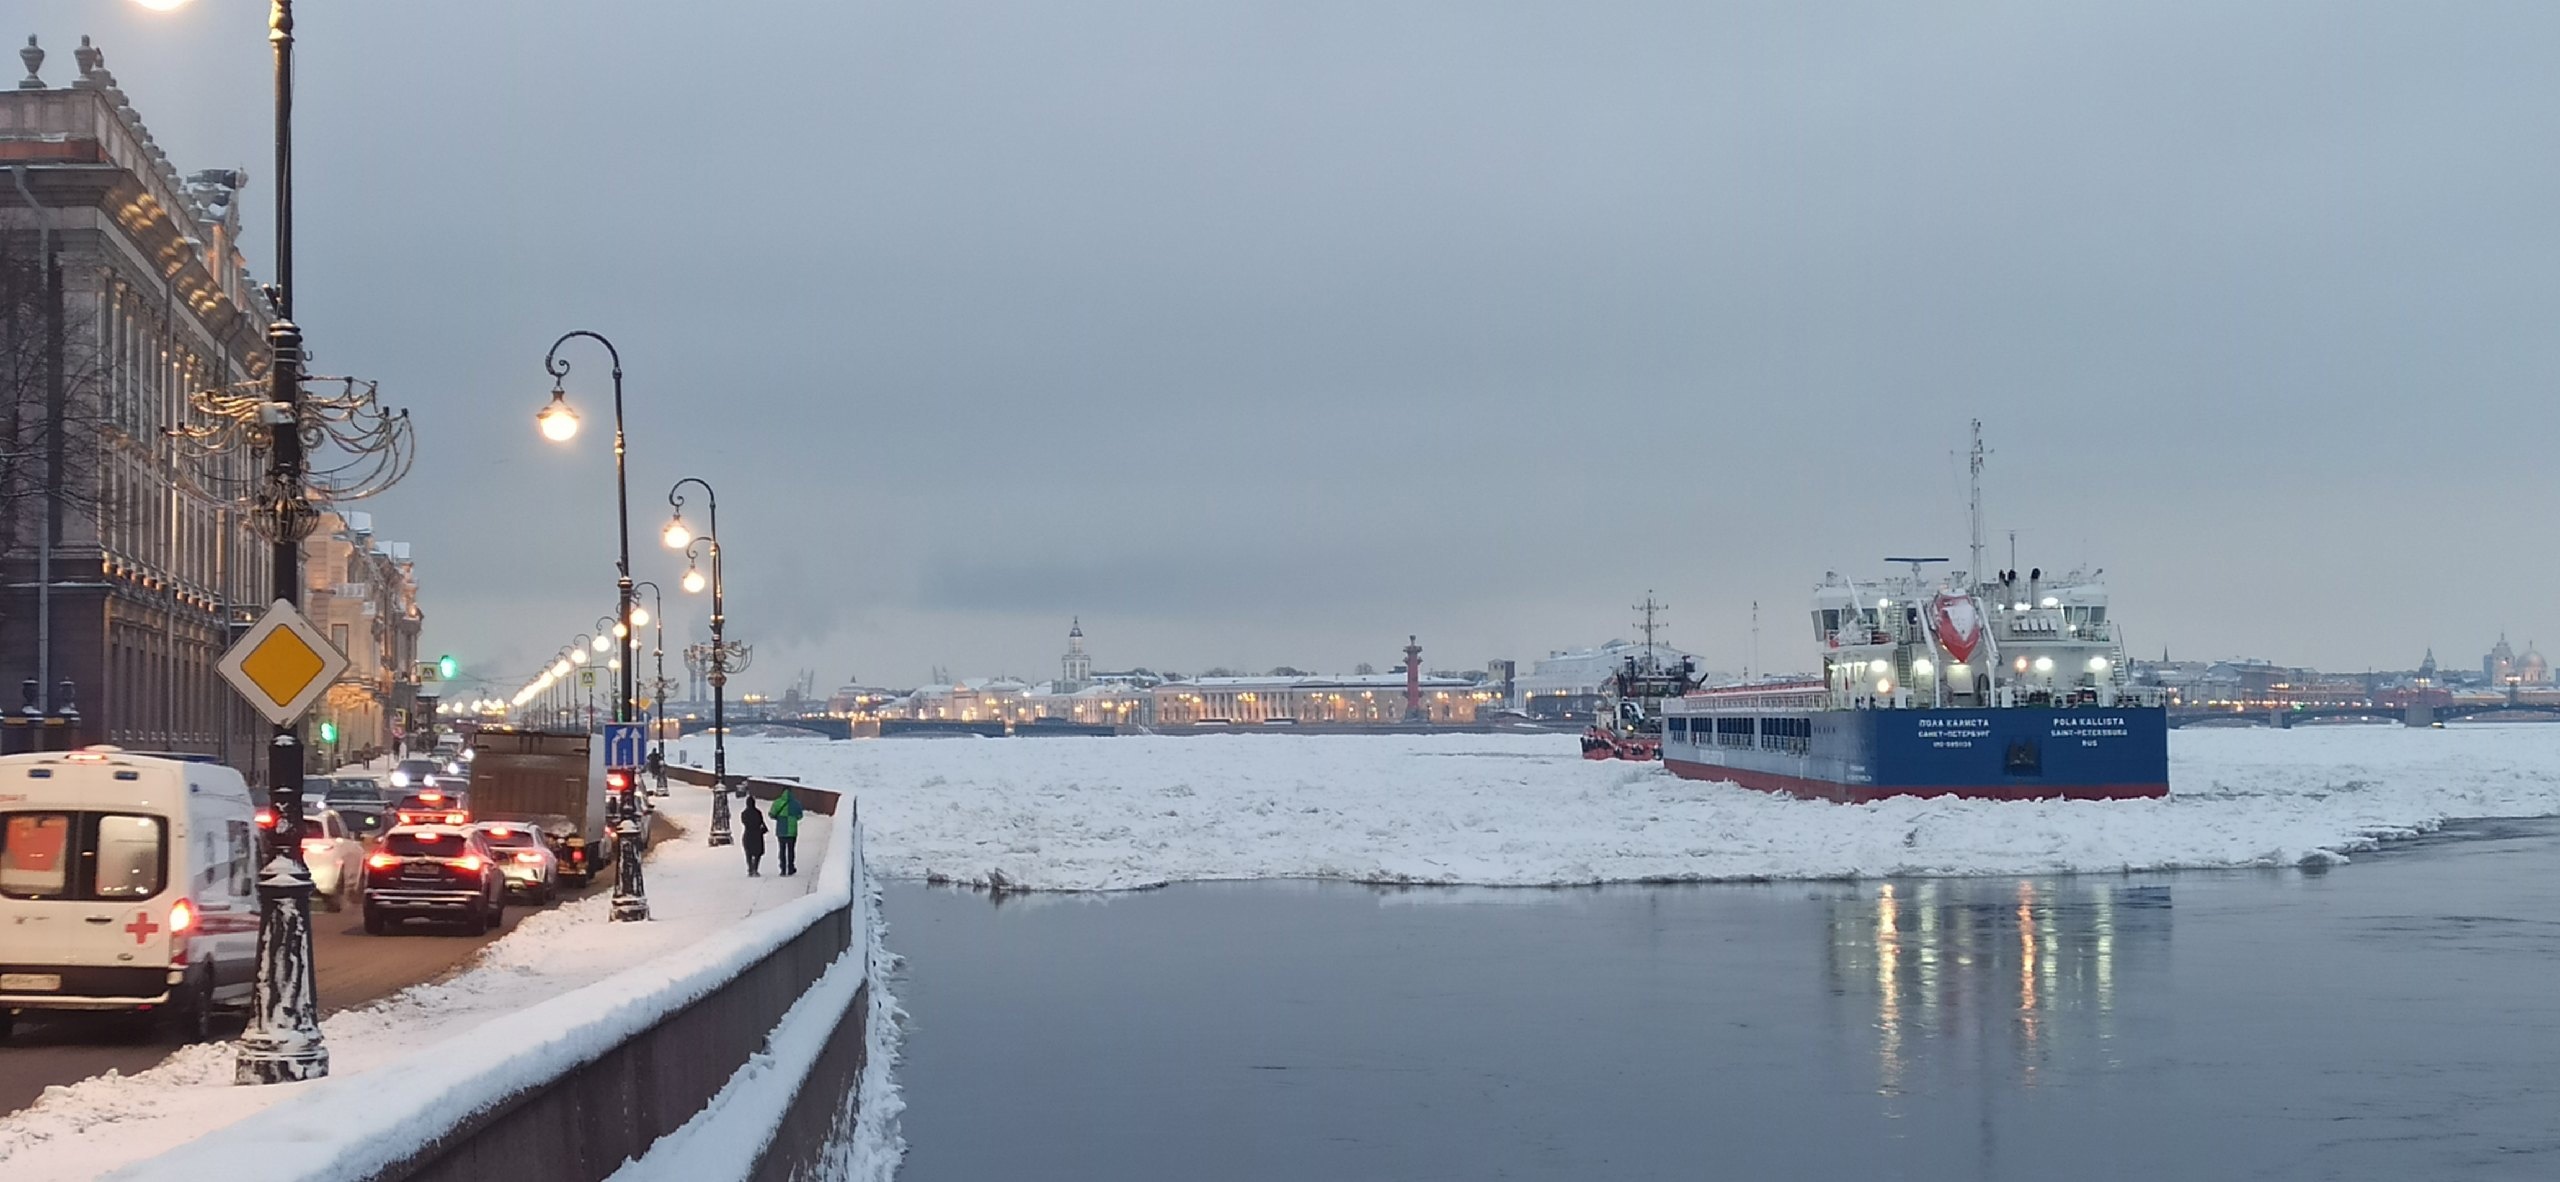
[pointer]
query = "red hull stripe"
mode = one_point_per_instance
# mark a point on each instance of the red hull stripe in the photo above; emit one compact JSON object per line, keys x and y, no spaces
{"x":1862,"y":793}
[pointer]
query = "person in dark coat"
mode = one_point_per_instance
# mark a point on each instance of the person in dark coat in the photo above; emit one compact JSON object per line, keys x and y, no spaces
{"x":751,"y":837}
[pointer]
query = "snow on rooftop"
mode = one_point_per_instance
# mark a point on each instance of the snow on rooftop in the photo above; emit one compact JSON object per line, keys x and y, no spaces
{"x":1514,"y":810}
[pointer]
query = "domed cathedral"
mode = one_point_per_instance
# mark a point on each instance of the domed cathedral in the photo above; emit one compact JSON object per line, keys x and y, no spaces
{"x":2502,"y":663}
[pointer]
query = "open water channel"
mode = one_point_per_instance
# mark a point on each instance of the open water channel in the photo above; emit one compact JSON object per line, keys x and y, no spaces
{"x":2394,"y":1018}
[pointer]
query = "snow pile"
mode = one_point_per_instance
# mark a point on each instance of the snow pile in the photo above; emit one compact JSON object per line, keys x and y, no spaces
{"x":1117,"y":813}
{"x":561,"y":986}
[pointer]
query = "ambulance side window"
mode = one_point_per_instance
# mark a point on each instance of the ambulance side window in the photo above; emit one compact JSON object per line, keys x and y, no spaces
{"x":133,"y":856}
{"x":35,"y":855}
{"x":243,"y":854}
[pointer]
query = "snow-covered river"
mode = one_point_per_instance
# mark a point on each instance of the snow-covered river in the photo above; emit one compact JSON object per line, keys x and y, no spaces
{"x":2386,"y":1019}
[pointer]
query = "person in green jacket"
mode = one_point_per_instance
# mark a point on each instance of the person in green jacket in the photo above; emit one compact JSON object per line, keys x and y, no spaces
{"x":786,"y":831}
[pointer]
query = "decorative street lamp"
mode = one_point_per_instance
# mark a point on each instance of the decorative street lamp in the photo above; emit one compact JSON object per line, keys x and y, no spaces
{"x":677,"y":537}
{"x":281,"y":1043}
{"x":559,"y":423}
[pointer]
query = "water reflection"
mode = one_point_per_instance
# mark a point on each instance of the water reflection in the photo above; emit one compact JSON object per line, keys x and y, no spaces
{"x":1962,"y":974}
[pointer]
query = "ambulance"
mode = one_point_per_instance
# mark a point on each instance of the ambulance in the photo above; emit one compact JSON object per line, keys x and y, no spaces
{"x":127,"y":882}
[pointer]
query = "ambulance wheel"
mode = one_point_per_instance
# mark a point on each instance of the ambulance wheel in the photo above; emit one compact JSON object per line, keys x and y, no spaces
{"x":190,"y":1012}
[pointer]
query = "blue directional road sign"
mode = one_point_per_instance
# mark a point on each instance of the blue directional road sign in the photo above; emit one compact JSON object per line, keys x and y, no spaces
{"x":626,"y":744}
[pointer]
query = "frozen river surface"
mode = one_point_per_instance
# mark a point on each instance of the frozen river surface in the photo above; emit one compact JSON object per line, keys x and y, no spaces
{"x":2393,"y":1018}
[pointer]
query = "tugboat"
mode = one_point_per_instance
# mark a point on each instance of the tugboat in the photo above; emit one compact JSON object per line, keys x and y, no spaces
{"x":2003,"y":686}
{"x":1628,"y":724}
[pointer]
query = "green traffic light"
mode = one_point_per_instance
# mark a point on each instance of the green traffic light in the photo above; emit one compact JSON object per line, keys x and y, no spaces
{"x":328,"y":732}
{"x":446,"y":666}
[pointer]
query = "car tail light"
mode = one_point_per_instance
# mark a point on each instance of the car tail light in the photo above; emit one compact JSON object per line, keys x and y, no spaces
{"x":314,"y":845}
{"x":383,"y":861}
{"x":456,"y":818}
{"x":578,"y":855}
{"x":467,"y":862}
{"x":431,"y":797}
{"x":266,"y":819}
{"x":528,"y":856}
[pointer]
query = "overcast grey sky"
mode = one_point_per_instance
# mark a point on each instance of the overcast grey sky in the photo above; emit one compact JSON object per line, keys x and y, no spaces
{"x":1264,"y":333}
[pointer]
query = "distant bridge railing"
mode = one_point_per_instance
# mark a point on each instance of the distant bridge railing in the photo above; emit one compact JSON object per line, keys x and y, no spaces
{"x":833,"y":728}
{"x":2408,"y":714}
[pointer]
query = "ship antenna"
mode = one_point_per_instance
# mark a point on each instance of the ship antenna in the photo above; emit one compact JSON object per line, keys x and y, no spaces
{"x":1976,"y":505}
{"x":1649,"y":607}
{"x":1753,"y":671}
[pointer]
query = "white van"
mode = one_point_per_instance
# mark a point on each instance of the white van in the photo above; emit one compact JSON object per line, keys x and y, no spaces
{"x":127,"y":882}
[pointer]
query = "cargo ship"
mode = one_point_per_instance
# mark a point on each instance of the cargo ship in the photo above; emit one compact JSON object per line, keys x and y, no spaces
{"x":2008,"y":686}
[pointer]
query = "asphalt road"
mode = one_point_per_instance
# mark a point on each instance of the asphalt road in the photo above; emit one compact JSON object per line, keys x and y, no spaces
{"x":355,"y":968}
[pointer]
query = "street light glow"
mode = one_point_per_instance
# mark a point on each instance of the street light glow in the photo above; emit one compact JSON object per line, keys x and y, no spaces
{"x":603,"y":643}
{"x":162,"y":5}
{"x":676,"y":534}
{"x":559,"y":423}
{"x":639,"y":617}
{"x":578,"y":656}
{"x":693,"y":579}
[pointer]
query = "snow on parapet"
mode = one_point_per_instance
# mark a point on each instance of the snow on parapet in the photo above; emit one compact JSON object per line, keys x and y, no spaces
{"x":358,"y":1125}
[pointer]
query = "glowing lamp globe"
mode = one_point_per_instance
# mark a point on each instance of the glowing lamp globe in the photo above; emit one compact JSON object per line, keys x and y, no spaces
{"x":559,"y":423}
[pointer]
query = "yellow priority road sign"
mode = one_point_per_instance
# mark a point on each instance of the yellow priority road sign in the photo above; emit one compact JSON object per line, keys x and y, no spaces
{"x":282,"y":664}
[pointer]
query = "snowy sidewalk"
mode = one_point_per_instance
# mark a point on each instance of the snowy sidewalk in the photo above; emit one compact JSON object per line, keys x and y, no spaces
{"x":87,"y":1129}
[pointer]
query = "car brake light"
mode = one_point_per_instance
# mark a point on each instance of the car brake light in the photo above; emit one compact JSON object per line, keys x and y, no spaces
{"x":383,"y":861}
{"x":456,"y":818}
{"x":578,"y":855}
{"x":528,"y":856}
{"x":431,"y":797}
{"x":182,"y":917}
{"x":501,"y":831}
{"x":315,"y":845}
{"x":467,"y":862}
{"x":266,"y":818}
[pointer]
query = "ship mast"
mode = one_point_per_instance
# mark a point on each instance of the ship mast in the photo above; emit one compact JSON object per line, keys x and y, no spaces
{"x":1976,"y":506}
{"x":1649,"y":607}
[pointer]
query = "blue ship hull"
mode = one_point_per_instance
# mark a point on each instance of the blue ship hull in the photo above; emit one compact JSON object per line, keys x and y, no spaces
{"x":1999,"y":753}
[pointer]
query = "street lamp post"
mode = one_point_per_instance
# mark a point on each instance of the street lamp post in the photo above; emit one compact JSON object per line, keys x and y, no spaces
{"x":282,"y":1043}
{"x":677,"y":537}
{"x":559,"y":423}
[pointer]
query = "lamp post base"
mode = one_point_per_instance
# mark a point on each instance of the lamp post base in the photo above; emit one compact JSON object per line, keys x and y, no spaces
{"x":630,"y":891}
{"x":719,"y":814}
{"x":282,"y":1043}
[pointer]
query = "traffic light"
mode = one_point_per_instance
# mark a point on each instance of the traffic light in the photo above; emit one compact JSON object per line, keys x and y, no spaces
{"x":328,"y":732}
{"x":446,"y":667}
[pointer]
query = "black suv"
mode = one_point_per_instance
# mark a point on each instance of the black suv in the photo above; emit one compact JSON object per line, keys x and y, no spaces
{"x":434,"y":872}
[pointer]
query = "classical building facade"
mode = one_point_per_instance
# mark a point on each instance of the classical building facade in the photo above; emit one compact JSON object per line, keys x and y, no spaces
{"x":122,"y":293}
{"x":362,"y":593}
